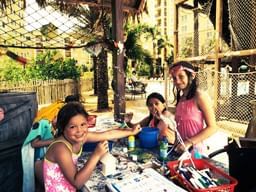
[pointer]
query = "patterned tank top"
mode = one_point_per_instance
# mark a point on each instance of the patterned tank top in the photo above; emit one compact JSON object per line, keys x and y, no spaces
{"x":54,"y":179}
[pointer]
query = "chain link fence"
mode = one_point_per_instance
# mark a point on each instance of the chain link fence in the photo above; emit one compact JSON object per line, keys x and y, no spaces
{"x":235,"y":95}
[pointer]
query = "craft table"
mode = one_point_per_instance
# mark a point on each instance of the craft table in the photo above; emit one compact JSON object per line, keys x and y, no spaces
{"x":125,"y":167}
{"x":147,"y":158}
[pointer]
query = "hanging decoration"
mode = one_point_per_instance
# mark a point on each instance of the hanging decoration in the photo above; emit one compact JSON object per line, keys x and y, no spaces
{"x":16,"y":57}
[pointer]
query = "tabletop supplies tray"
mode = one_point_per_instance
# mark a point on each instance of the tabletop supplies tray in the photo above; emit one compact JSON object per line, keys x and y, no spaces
{"x":226,"y":182}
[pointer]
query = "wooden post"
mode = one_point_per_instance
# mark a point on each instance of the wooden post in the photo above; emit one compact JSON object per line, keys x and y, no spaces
{"x":218,"y":34}
{"x":196,"y":33}
{"x":175,"y":32}
{"x":118,"y":60}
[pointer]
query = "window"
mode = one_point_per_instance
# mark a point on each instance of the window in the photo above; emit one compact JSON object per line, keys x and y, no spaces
{"x":165,"y":12}
{"x":159,"y":22}
{"x":158,"y":14}
{"x":183,"y":18}
{"x":165,"y":22}
{"x":158,"y":2}
{"x":67,"y":53}
{"x":209,"y":34}
{"x":38,"y":38}
{"x":38,"y":50}
{"x":184,"y":29}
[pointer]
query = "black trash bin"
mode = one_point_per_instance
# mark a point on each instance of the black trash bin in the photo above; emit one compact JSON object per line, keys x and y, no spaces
{"x":19,"y":112}
{"x":242,"y":165}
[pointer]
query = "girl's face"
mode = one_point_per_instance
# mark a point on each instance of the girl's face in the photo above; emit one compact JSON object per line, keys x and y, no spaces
{"x":155,"y":106}
{"x":180,"y":79}
{"x":77,"y":129}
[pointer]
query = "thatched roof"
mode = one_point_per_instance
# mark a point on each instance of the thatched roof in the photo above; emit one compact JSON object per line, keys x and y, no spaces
{"x":133,"y":6}
{"x":130,"y":6}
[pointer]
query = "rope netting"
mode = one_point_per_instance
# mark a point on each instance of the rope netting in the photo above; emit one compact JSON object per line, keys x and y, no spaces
{"x":36,"y":27}
{"x":243,"y":24}
{"x":196,"y":31}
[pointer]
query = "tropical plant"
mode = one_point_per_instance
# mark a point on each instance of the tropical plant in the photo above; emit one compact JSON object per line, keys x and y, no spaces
{"x":51,"y":68}
{"x":186,"y":49}
{"x":45,"y":67}
{"x":14,"y":72}
{"x":158,"y":43}
{"x":133,"y":46}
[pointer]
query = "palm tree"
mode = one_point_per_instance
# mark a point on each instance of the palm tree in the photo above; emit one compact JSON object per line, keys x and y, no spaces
{"x":134,"y":50}
{"x":95,"y":25}
{"x":133,"y":47}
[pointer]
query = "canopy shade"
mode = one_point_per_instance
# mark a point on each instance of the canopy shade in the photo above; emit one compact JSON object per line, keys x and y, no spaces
{"x":131,"y":6}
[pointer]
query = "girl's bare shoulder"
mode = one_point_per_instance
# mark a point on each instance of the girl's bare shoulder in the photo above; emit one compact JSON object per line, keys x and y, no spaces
{"x":167,"y":113}
{"x":200,"y":94}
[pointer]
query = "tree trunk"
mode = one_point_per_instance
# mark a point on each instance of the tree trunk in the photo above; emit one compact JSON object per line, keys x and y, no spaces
{"x":102,"y":80}
{"x":95,"y":72}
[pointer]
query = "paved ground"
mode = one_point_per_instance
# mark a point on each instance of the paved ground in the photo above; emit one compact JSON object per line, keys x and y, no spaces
{"x":138,"y":107}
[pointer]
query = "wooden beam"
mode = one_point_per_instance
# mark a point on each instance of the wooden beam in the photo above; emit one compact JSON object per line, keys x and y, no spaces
{"x":218,"y":35}
{"x":238,"y":53}
{"x":220,"y":55}
{"x":177,"y":2}
{"x":125,"y":8}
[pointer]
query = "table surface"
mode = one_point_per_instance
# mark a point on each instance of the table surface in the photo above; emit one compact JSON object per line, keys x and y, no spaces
{"x":147,"y":158}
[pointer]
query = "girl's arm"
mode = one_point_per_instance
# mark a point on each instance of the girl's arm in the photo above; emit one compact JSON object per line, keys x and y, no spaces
{"x":37,"y":142}
{"x":112,"y":134}
{"x":165,"y":128}
{"x":63,"y":156}
{"x":204,"y":104}
{"x":142,"y":123}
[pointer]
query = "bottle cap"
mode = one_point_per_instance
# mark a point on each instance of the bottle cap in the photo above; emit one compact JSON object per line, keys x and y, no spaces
{"x":134,"y":157}
{"x":125,"y":150}
{"x":131,"y":138}
{"x":165,"y":139}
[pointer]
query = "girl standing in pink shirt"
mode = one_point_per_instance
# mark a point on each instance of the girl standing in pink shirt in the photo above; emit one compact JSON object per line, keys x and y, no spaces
{"x":194,"y":114}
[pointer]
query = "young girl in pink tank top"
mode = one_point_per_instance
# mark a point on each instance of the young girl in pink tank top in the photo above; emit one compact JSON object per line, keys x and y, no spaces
{"x":60,"y":171}
{"x":194,"y":114}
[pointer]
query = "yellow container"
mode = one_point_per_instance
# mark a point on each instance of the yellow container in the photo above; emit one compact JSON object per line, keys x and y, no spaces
{"x":131,"y":142}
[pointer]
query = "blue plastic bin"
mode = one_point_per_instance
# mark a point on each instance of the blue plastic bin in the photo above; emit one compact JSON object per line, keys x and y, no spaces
{"x":149,"y":137}
{"x":90,"y":146}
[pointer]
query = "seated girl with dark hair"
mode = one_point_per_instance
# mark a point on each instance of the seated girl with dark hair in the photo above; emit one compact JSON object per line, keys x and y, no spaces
{"x":157,"y":108}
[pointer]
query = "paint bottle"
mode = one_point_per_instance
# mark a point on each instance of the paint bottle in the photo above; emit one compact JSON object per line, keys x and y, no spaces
{"x":163,"y":148}
{"x":131,"y":143}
